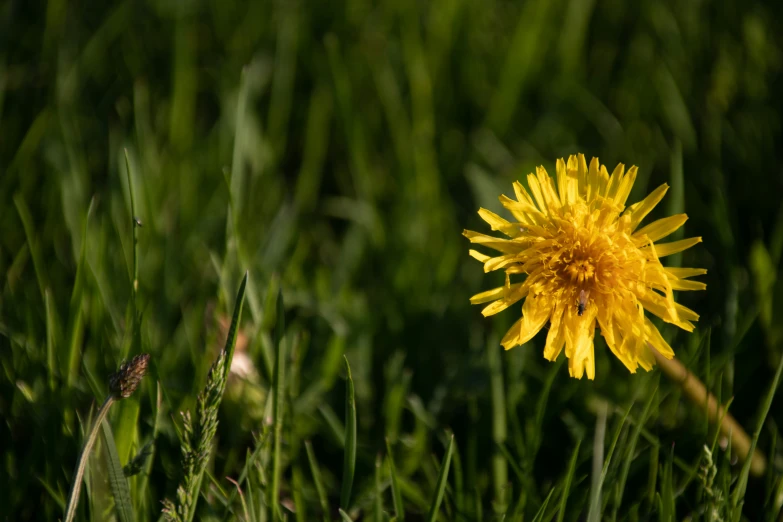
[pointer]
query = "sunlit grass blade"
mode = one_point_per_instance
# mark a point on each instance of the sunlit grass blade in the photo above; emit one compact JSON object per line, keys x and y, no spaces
{"x":344,"y":516}
{"x":349,"y":461}
{"x":278,"y":384}
{"x":117,"y":480}
{"x":738,"y":494}
{"x":319,"y":487}
{"x":568,"y":479}
{"x":440,"y":487}
{"x":399,"y":509}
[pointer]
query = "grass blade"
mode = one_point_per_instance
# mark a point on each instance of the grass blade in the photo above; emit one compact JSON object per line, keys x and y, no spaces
{"x":50,"y":341}
{"x":141,"y":496}
{"x":738,"y":494}
{"x":278,"y":383}
{"x":443,"y":476}
{"x":615,"y":438}
{"x":242,"y":498}
{"x":676,"y":197}
{"x":459,"y":495}
{"x":128,"y":415}
{"x":135,"y":224}
{"x":299,"y":502}
{"x":75,"y":332}
{"x":349,"y":462}
{"x":231,"y":339}
{"x":540,"y":514}
{"x":117,"y":480}
{"x":378,"y":504}
{"x":594,"y":511}
{"x":35,"y":250}
{"x":336,"y":430}
{"x":344,"y":516}
{"x":534,"y":435}
{"x":499,"y":427}
{"x":666,"y":498}
{"x":283,"y":78}
{"x":54,"y":493}
{"x":514,"y":464}
{"x":78,"y":475}
{"x":567,"y":485}
{"x":626,"y":466}
{"x":399,"y":510}
{"x":249,"y":463}
{"x":198,"y":434}
{"x":319,"y":487}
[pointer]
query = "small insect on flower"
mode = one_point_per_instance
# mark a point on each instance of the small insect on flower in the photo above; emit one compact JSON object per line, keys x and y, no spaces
{"x":573,"y":239}
{"x":582,"y":304}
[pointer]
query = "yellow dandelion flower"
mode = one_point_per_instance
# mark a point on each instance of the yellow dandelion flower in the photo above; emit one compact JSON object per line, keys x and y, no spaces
{"x":586,"y":262}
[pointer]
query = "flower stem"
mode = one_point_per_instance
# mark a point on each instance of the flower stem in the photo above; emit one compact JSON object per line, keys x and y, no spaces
{"x":696,"y":391}
{"x":76,"y":483}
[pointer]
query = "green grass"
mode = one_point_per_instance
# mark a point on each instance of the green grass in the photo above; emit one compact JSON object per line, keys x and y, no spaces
{"x":330,"y":155}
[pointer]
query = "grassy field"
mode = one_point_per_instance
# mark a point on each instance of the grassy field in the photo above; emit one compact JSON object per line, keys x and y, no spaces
{"x":334,"y":152}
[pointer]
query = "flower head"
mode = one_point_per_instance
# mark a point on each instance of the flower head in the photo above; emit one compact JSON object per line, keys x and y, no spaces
{"x":584,"y":260}
{"x":124,"y":381}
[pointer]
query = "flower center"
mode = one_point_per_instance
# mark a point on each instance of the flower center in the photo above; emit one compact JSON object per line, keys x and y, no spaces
{"x":580,"y":271}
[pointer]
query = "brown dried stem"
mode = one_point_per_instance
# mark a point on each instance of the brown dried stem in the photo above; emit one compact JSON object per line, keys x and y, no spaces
{"x":696,"y":391}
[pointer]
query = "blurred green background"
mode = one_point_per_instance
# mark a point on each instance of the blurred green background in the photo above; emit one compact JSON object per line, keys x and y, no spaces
{"x":336,"y":150}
